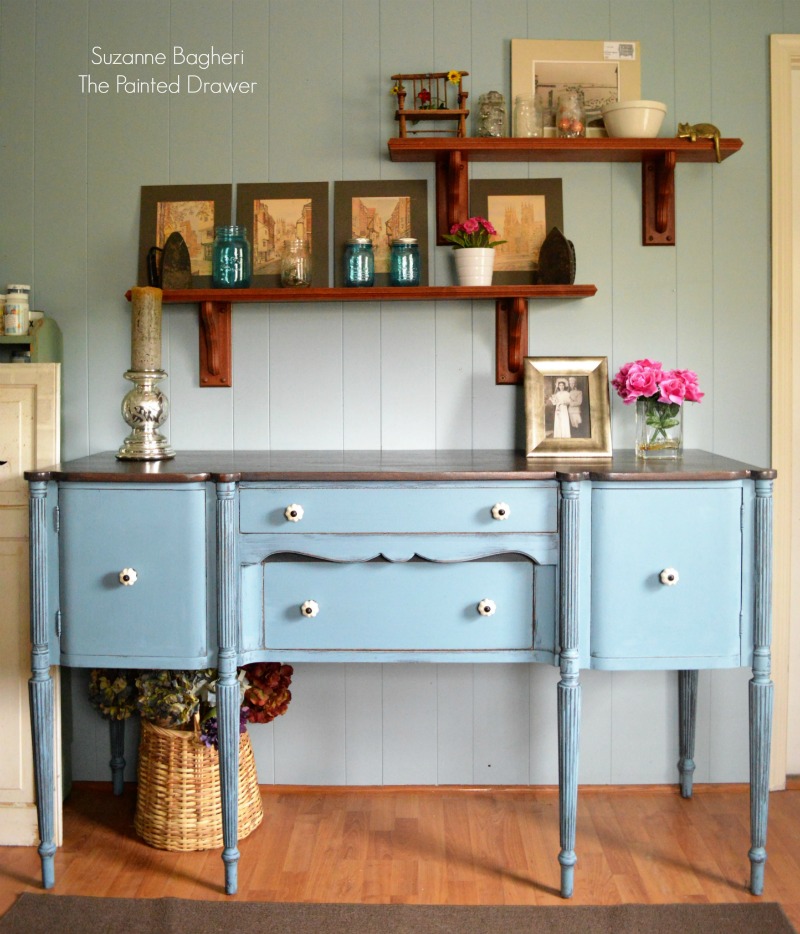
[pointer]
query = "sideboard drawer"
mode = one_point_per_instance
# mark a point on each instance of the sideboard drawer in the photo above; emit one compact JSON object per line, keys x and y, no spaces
{"x":161,"y":535}
{"x":690,"y":618}
{"x":517,"y":507}
{"x":380,"y":605}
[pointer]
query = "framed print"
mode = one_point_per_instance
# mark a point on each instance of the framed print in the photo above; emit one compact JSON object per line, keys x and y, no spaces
{"x":606,"y":72}
{"x":278,"y":212}
{"x":381,"y":211}
{"x":523,"y":211}
{"x":567,"y":410}
{"x":194,"y":211}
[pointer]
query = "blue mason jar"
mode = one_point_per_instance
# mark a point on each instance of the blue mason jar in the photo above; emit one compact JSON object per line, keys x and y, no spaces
{"x":359,"y":262}
{"x":230,"y":259}
{"x":404,"y":263}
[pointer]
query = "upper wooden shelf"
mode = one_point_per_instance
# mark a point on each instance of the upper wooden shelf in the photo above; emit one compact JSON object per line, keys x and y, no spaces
{"x":658,"y":158}
{"x":422,"y":293}
{"x":545,"y":149}
{"x":511,"y":315}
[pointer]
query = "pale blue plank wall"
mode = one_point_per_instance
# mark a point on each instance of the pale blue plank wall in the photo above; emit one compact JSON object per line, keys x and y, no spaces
{"x":421,"y":376}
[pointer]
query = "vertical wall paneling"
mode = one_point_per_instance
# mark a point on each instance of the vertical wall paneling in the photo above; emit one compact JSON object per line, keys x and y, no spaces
{"x":741,"y":223}
{"x":127,"y":144}
{"x":251,"y":163}
{"x":458,"y":689}
{"x":398,"y":376}
{"x":695,"y":240}
{"x":497,"y":737}
{"x":364,"y":724}
{"x":305,"y":364}
{"x":310,"y":745}
{"x":201,"y":147}
{"x":410,"y":714}
{"x":59,"y":198}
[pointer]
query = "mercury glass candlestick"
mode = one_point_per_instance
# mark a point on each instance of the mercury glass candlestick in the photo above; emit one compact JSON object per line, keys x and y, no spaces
{"x":145,"y":407}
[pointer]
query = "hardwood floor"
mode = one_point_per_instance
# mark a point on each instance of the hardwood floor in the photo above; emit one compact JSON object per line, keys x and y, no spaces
{"x":445,"y":845}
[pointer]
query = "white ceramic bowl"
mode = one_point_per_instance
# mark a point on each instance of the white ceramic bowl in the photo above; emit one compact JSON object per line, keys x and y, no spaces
{"x":634,"y":118}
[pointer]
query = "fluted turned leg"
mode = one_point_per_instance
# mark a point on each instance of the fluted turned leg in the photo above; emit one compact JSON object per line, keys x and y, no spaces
{"x":761,"y":688}
{"x":116,"y":735}
{"x":228,"y":698}
{"x":569,"y":713}
{"x":569,"y":689}
{"x":687,"y":715}
{"x":40,"y":685}
{"x":42,"y":718}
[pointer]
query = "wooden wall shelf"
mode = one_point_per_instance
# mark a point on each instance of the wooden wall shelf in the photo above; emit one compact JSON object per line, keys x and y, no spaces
{"x":658,"y":158}
{"x":511,"y":316}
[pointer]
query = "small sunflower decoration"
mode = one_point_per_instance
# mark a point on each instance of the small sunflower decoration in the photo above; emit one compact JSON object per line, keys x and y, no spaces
{"x":453,"y":76}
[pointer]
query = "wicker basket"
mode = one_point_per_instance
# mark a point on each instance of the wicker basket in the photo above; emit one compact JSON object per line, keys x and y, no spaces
{"x":178,"y":804}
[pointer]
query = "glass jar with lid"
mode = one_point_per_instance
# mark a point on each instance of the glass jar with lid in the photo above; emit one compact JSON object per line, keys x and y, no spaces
{"x":359,"y":262}
{"x":492,"y":115}
{"x":404,"y":262}
{"x":230,"y":258}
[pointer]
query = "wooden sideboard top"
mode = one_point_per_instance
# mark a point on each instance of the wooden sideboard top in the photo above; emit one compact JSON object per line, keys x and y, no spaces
{"x":339,"y":466}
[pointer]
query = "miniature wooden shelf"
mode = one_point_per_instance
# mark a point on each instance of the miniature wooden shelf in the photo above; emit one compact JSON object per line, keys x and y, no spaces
{"x":658,"y":158}
{"x":511,"y":315}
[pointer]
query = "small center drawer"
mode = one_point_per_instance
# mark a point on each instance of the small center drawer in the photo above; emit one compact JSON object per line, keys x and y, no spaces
{"x":516,"y":507}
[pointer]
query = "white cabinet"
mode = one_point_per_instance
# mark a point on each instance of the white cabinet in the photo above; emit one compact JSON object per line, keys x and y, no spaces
{"x":29,"y":438}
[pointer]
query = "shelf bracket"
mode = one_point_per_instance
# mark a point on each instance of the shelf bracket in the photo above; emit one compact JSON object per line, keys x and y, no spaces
{"x":215,"y":344}
{"x":452,"y":193}
{"x":658,"y":200}
{"x":511,"y":339}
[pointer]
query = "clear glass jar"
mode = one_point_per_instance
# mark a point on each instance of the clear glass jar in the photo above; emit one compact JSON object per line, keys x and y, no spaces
{"x":492,"y":115}
{"x":571,"y":116}
{"x":230,"y":259}
{"x":359,"y":262}
{"x":404,"y":262}
{"x":527,"y":117}
{"x":295,"y":265}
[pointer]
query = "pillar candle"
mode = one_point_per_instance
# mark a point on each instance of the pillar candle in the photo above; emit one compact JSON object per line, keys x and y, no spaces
{"x":145,"y":329}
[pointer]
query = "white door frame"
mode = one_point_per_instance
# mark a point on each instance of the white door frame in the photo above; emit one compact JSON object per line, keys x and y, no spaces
{"x":785,"y":60}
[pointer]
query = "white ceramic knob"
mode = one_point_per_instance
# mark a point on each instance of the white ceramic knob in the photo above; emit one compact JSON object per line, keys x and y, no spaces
{"x":128,"y":577}
{"x":293,"y":513}
{"x":487,"y":607}
{"x":310,"y":608}
{"x":669,"y":576}
{"x":501,"y":511}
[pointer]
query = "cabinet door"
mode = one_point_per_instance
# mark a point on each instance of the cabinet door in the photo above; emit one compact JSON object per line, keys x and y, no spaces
{"x":640,"y":619}
{"x":158,"y":617}
{"x":29,"y":438}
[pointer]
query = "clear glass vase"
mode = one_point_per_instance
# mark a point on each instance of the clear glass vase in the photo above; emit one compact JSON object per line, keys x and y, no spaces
{"x":659,"y":429}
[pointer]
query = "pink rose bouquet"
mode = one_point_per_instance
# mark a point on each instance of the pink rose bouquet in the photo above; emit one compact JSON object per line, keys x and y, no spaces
{"x":662,"y":392}
{"x":474,"y":232}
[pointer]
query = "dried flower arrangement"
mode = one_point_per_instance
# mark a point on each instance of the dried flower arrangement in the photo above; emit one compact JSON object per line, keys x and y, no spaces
{"x":178,"y":699}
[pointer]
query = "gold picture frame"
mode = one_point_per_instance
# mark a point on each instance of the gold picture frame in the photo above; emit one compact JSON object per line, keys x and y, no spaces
{"x":569,"y":420}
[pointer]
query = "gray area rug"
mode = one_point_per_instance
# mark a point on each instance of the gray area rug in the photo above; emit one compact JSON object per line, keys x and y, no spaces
{"x":72,"y":914}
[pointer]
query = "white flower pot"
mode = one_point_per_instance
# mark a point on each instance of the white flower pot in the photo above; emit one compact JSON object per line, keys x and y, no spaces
{"x":474,"y":265}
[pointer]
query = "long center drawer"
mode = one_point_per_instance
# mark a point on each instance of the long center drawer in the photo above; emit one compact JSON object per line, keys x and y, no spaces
{"x":515,"y":507}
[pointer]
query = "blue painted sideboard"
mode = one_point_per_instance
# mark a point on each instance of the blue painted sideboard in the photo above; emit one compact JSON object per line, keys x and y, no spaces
{"x":224,"y":558}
